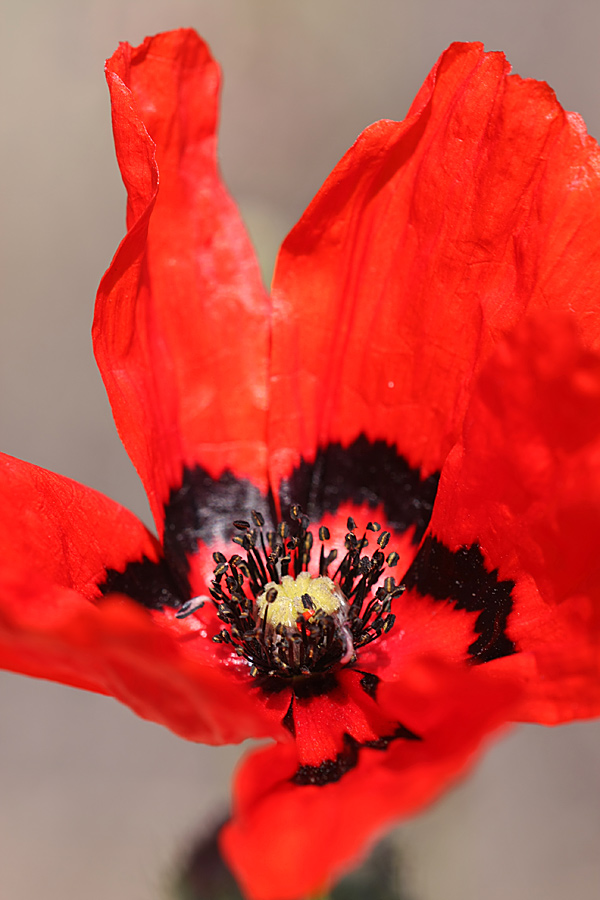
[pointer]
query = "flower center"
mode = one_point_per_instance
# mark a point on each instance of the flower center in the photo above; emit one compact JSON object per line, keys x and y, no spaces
{"x":304,"y":596}
{"x":288,"y":623}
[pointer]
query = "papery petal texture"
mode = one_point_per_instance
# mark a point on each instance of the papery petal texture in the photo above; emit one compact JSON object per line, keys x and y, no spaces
{"x":429,"y":366}
{"x":67,"y":533}
{"x":429,"y":240}
{"x":50,"y":632}
{"x":181,"y":327}
{"x":315,"y":832}
{"x":524,"y":484}
{"x":59,"y":540}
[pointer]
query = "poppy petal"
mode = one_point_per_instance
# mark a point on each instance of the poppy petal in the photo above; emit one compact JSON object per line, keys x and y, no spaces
{"x":117,"y":649}
{"x":366,"y":480}
{"x":423,"y":627}
{"x":289,"y":839}
{"x":429,"y":241}
{"x":63,"y":545}
{"x":67,"y":533}
{"x":181,"y":323}
{"x":524,"y":488}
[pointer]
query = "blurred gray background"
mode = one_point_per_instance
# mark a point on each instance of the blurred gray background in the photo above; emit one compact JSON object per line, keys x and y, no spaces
{"x":94,"y":803}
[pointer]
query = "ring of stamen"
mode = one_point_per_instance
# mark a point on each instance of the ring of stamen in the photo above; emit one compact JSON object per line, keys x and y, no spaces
{"x":287,"y":623}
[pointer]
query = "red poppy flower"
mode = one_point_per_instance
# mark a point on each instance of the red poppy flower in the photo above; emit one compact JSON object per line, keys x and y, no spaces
{"x":426,"y":370}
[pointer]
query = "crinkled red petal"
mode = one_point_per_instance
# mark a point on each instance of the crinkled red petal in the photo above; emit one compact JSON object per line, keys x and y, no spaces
{"x":64,"y":531}
{"x":423,"y":627}
{"x":322,"y":721}
{"x":57,"y":540}
{"x":288,"y":840}
{"x":181,"y":324}
{"x":525,"y":485}
{"x":117,"y":649}
{"x":429,"y":241}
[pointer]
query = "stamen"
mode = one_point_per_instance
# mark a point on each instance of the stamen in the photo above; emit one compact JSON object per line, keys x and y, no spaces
{"x":287,"y":623}
{"x":190,"y":607}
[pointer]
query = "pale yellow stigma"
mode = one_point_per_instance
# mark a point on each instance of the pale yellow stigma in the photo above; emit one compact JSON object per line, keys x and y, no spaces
{"x":302,"y":596}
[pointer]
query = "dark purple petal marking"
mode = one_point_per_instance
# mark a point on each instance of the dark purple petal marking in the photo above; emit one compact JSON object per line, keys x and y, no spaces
{"x":303,"y":688}
{"x":202,"y":510}
{"x":288,"y":720}
{"x":369,"y":683}
{"x":462,"y":578}
{"x":332,"y":770}
{"x":365,"y":472}
{"x":149,"y":583}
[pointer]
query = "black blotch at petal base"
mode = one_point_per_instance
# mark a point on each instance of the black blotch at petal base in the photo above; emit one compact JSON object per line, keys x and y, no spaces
{"x":461,"y":577}
{"x":332,"y":770}
{"x":365,"y":472}
{"x":149,"y":583}
{"x":202,"y":509}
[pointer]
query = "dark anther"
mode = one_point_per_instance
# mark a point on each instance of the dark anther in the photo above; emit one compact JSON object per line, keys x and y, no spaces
{"x":241,"y":525}
{"x":383,"y":539}
{"x":393,"y":559}
{"x":189,"y":608}
{"x":258,"y":518}
{"x":317,"y":641}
